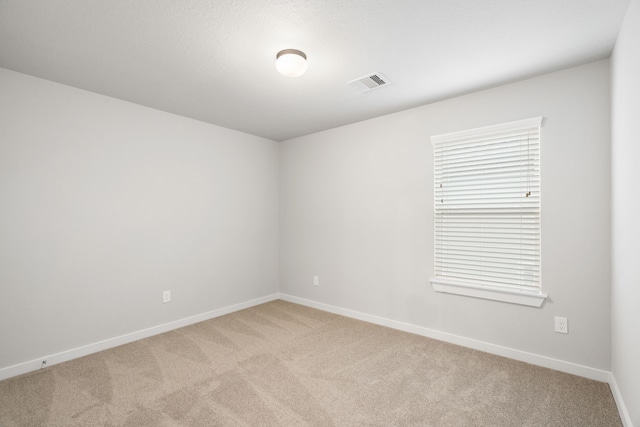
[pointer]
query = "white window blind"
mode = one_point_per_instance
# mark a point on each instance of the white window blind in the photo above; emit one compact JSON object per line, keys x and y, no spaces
{"x":487,"y":207}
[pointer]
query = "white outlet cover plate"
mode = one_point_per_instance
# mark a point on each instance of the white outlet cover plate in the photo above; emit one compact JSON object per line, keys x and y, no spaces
{"x":561,"y":325}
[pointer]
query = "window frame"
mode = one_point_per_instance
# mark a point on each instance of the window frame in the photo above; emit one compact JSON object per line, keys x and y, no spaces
{"x":517,"y":294}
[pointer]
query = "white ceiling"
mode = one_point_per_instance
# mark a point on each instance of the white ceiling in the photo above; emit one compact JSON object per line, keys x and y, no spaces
{"x":213,"y":60}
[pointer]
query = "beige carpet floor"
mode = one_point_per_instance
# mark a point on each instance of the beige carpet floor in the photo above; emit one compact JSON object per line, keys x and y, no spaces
{"x":282,"y":364}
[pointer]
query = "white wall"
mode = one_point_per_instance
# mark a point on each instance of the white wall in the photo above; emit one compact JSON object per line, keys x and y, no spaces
{"x":356,"y":209}
{"x":104,"y":204}
{"x":625,"y":308}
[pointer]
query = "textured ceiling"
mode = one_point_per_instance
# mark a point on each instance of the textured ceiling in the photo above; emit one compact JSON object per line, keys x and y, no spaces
{"x":213,"y":60}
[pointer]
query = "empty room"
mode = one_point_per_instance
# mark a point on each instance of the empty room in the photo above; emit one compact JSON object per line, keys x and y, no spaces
{"x":234,"y":212}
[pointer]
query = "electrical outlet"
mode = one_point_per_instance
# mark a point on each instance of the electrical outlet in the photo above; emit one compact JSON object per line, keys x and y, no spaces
{"x":562,"y":325}
{"x":316,"y":281}
{"x":166,"y":297}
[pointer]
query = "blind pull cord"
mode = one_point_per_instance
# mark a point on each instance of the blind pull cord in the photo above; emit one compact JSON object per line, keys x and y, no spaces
{"x":528,"y":166}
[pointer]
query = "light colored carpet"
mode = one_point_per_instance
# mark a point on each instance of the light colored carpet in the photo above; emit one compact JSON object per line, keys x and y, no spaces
{"x":285,"y":364}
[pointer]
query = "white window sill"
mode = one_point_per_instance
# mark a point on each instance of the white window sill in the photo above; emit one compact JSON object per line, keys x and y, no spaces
{"x":531,"y":299}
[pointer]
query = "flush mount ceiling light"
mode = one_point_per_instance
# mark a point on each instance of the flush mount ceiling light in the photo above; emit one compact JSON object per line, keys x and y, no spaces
{"x":291,"y":62}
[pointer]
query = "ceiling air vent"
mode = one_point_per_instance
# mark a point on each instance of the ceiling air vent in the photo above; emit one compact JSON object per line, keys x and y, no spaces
{"x":370,"y":82}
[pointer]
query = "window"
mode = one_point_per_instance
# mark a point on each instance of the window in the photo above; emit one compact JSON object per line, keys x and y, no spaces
{"x":487,"y":212}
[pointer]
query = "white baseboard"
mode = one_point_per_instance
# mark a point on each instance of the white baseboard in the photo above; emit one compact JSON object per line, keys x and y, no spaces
{"x":523,"y":356}
{"x":622,"y":409}
{"x":54,"y":359}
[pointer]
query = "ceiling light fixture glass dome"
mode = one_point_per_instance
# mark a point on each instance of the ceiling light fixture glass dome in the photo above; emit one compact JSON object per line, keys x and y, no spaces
{"x":291,"y":62}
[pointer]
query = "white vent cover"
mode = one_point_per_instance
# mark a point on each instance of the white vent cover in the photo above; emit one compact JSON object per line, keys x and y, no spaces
{"x":370,"y":82}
